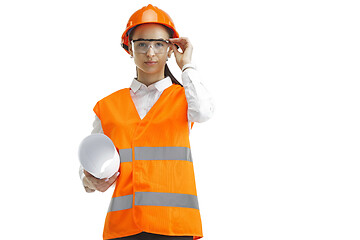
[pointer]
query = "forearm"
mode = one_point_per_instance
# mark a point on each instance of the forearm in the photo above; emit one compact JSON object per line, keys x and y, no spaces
{"x":200,"y":102}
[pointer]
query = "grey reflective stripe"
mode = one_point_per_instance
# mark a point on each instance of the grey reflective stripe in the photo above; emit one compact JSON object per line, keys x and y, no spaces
{"x":163,"y":153}
{"x":154,"y":199}
{"x":166,"y":199}
{"x":120,"y":203}
{"x":125,"y":155}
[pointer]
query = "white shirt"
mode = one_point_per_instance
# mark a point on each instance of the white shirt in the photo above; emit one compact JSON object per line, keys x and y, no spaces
{"x":200,"y":103}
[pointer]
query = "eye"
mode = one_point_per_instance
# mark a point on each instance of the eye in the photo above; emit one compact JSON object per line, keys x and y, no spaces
{"x":142,"y":44}
{"x":159,"y":44}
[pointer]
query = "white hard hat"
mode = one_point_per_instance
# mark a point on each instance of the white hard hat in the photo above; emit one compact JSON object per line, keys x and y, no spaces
{"x":98,"y":156}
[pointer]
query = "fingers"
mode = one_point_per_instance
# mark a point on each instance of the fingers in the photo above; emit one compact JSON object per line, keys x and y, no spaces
{"x":91,"y":178}
{"x":101,"y":184}
{"x":89,"y":190}
{"x":183,"y":42}
{"x":87,"y":174}
{"x":106,"y":183}
{"x":184,"y":56}
{"x":175,"y":50}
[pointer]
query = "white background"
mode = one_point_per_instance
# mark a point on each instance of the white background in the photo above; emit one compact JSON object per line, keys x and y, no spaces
{"x":279,"y":159}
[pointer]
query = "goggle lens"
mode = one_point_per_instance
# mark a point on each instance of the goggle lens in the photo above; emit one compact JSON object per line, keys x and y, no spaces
{"x":143,"y":45}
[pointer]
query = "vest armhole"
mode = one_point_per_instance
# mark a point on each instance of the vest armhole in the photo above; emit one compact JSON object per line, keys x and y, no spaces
{"x":97,"y":110}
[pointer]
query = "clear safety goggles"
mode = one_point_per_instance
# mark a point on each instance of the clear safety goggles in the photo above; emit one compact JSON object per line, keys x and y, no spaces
{"x":143,"y":45}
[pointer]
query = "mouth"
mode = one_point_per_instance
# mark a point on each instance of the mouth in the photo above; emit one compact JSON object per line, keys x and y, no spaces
{"x":150,"y":63}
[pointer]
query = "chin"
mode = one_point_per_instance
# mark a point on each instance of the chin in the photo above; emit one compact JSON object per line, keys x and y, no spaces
{"x":152,"y":69}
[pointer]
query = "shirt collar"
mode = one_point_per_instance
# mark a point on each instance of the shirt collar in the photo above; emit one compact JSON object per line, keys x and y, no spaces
{"x":160,"y":85}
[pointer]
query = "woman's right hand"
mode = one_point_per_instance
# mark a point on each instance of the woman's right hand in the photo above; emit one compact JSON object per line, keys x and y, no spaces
{"x":92,"y":183}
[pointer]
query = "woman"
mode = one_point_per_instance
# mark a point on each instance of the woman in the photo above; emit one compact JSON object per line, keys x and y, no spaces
{"x":149,"y":123}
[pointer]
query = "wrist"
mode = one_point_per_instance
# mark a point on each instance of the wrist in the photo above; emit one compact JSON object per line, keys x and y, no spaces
{"x":188,"y":65}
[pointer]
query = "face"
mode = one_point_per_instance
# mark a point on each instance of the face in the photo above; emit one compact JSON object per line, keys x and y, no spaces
{"x":150,"y":63}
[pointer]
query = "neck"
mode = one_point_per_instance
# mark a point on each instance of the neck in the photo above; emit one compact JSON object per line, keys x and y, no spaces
{"x":149,"y":78}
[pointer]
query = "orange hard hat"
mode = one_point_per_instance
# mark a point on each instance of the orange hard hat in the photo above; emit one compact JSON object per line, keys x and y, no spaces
{"x":148,"y":14}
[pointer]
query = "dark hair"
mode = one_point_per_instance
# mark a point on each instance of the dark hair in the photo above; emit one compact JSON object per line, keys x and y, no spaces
{"x":167,"y":72}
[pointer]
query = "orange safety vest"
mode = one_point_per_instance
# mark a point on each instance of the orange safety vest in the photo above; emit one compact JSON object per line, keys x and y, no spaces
{"x":156,"y":190}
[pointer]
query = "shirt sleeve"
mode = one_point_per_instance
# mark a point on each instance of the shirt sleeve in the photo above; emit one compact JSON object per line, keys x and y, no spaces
{"x":200,"y":102}
{"x":97,"y":128}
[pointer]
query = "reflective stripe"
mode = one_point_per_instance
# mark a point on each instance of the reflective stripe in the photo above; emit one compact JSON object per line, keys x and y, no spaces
{"x":163,"y":153}
{"x":125,"y":155}
{"x":154,"y":199}
{"x":156,"y":153}
{"x":120,"y":203}
{"x":166,"y":199}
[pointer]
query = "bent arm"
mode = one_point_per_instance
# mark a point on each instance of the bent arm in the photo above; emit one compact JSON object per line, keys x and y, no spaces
{"x":200,"y":102}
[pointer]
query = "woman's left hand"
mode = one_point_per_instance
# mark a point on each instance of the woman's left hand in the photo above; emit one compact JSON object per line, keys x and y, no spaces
{"x":183,"y":57}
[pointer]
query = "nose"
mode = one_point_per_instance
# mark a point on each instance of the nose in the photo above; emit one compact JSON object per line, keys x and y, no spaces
{"x":150,"y":51}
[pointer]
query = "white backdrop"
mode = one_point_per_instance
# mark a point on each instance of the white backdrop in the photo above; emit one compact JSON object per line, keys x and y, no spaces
{"x":279,"y":159}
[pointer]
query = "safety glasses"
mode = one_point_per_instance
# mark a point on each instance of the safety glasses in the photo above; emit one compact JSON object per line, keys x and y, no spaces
{"x":143,"y":45}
